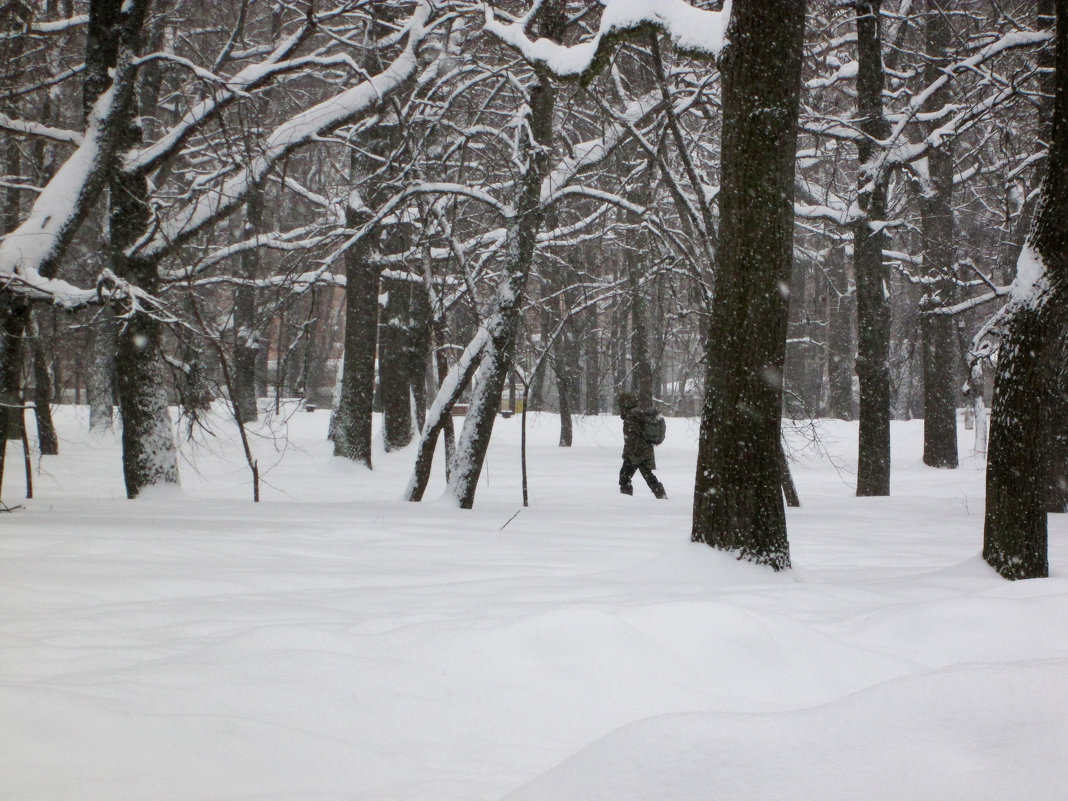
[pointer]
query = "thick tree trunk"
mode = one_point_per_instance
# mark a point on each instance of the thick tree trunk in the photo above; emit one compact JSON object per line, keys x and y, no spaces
{"x":1032,"y":374}
{"x":738,"y":502}
{"x":149,"y":457}
{"x":352,"y":415}
{"x":14,"y":312}
{"x":940,"y":380}
{"x":872,"y":275}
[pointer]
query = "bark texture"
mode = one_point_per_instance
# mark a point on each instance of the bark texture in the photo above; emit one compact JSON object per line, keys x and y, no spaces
{"x":738,"y":504}
{"x":940,"y":379}
{"x":872,"y":275}
{"x":352,"y":415}
{"x":1032,"y":374}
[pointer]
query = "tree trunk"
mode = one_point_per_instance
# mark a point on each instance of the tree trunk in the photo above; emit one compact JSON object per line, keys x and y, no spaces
{"x":939,"y":331}
{"x":394,"y":368}
{"x":352,"y":415}
{"x":14,"y":312}
{"x":419,"y":350}
{"x":47,"y":440}
{"x":1032,"y":371}
{"x":100,"y":373}
{"x":149,"y":457}
{"x":872,"y":275}
{"x":592,"y":362}
{"x":505,"y":319}
{"x":14,"y":315}
{"x":439,"y":416}
{"x":246,"y":335}
{"x":840,"y":356}
{"x":738,"y":502}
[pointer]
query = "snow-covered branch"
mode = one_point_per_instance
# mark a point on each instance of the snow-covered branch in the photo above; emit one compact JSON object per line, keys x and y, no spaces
{"x":693,"y":31}
{"x":29,"y":128}
{"x":214,"y":203}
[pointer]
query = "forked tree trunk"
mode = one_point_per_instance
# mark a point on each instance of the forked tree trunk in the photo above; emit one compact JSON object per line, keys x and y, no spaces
{"x":1032,"y":373}
{"x":738,"y":502}
{"x":439,"y":415}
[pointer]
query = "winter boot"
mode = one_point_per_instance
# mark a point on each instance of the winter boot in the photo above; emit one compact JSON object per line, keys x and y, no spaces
{"x":626,"y":489}
{"x":660,"y":492}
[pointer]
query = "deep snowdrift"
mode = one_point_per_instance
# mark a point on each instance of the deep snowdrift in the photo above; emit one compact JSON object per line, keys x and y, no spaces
{"x":334,"y":642}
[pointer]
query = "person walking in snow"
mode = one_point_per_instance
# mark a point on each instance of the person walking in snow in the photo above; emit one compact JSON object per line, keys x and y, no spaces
{"x":638,"y":454}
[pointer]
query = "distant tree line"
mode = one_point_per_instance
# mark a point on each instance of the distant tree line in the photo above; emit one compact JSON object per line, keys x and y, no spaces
{"x":739,"y":211}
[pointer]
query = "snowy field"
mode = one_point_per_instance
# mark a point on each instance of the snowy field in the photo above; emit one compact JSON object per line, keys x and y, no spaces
{"x":335,"y":643}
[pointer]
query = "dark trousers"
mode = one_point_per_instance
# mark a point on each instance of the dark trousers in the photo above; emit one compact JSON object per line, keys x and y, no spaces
{"x":626,"y":472}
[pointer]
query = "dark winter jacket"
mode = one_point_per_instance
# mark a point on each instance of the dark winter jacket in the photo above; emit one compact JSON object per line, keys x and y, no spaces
{"x":636,"y":448}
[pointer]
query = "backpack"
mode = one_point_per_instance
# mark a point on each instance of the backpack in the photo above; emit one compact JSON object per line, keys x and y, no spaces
{"x":654,"y":428}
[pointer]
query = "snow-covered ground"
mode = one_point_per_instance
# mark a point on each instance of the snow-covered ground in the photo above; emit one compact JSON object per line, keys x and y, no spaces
{"x":337,"y":643}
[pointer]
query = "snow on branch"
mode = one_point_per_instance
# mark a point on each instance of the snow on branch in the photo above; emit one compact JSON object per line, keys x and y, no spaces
{"x":29,"y":252}
{"x":215,"y":203}
{"x":28,"y":128}
{"x":53,"y":26}
{"x":588,"y":154}
{"x":693,"y":30}
{"x":240,"y":84}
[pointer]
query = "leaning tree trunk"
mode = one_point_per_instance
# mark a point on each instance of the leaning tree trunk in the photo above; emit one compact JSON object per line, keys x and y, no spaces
{"x":872,"y":276}
{"x":504,"y":321}
{"x":1032,"y":372}
{"x":454,"y":382}
{"x":939,"y":330}
{"x":738,"y":504}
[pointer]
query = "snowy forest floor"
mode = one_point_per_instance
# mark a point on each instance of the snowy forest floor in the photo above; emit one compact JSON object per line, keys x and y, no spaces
{"x":336,"y":643}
